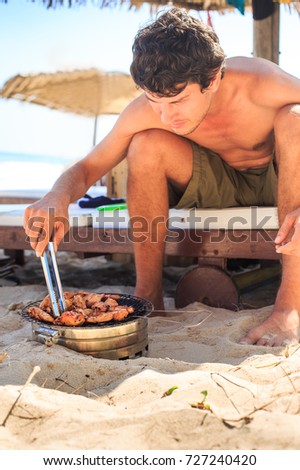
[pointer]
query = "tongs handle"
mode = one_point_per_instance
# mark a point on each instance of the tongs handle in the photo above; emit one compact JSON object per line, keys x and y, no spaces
{"x":53,"y":280}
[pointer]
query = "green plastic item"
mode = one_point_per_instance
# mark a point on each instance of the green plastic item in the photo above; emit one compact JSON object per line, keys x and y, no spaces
{"x":112,"y":207}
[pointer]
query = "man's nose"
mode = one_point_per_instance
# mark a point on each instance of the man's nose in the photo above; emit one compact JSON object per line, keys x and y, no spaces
{"x":166,"y":114}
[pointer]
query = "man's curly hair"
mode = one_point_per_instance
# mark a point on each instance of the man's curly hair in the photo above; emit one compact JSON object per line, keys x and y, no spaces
{"x":173,"y":51}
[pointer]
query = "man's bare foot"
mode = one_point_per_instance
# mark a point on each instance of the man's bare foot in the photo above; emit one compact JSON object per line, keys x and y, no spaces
{"x":283,"y":325}
{"x":281,"y":328}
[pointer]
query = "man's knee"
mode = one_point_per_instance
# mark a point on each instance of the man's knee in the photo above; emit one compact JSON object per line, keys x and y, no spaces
{"x":151,"y":149}
{"x":146,"y":141}
{"x":142,"y":151}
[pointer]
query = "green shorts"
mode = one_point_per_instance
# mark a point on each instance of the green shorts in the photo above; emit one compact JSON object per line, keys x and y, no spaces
{"x":215,"y":184}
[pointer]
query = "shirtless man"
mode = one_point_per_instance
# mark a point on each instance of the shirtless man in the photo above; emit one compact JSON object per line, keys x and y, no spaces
{"x":245,"y":110}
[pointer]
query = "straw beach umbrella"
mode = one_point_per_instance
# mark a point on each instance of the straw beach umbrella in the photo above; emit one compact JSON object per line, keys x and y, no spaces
{"x":88,"y":92}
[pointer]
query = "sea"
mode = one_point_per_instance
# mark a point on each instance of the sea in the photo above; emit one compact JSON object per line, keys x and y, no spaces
{"x":20,"y":171}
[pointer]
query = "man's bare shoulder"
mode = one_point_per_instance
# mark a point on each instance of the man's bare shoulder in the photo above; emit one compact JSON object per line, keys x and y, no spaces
{"x":139,"y":116}
{"x":264,"y":80}
{"x":256,"y":66}
{"x":248,"y":64}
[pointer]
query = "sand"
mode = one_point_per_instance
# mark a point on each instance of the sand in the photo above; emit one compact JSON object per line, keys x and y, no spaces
{"x":56,"y":398}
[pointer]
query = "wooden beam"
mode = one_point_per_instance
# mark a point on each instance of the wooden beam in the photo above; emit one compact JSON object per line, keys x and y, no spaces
{"x":266,"y":36}
{"x":251,"y":244}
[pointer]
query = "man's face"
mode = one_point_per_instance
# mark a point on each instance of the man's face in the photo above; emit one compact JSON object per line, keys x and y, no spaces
{"x":184,"y":112}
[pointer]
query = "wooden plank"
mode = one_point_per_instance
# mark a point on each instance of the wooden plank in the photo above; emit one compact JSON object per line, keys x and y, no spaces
{"x":225,"y":244}
{"x":250,"y":244}
{"x":257,"y":277}
{"x":214,"y":261}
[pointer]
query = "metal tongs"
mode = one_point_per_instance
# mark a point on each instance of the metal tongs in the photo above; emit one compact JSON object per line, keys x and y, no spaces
{"x":53,"y":280}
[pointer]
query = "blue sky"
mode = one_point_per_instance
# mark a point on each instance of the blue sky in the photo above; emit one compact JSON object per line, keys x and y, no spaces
{"x":34,"y":39}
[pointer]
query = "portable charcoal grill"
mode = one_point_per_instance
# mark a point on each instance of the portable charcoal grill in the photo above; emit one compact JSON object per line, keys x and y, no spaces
{"x":124,"y":339}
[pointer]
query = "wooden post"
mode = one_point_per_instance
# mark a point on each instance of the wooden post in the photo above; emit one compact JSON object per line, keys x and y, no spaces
{"x":116,"y":180}
{"x":266,"y":36}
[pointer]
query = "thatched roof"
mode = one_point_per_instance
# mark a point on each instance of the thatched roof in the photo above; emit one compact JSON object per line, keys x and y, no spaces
{"x":197,"y":4}
{"x":219,"y":5}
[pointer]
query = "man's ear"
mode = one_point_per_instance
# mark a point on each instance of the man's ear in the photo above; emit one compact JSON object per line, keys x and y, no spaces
{"x":215,"y":82}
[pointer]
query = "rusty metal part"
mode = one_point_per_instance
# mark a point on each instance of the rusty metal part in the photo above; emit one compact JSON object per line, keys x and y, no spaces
{"x":209,"y":285}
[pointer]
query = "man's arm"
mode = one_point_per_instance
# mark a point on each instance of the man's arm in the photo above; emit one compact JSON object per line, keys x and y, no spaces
{"x":281,"y":90}
{"x":48,"y":217}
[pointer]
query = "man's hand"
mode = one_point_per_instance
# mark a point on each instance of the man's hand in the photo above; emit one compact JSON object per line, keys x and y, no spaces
{"x":287,"y":240}
{"x":46,"y":220}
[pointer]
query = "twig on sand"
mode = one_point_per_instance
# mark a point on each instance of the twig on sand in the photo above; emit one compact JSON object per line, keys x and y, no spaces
{"x":246,"y":418}
{"x":226,"y":394}
{"x":36,"y":369}
{"x":186,"y":326}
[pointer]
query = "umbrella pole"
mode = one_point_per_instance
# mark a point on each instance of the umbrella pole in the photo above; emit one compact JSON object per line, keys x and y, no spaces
{"x":98,"y":183}
{"x":95,"y":130}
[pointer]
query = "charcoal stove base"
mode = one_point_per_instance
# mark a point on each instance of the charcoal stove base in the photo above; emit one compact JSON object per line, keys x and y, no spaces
{"x":126,"y":341}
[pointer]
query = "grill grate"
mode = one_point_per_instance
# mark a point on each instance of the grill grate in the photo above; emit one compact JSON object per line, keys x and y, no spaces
{"x":141,"y":307}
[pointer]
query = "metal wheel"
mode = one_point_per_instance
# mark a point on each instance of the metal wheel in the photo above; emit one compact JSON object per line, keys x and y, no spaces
{"x":209,"y":285}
